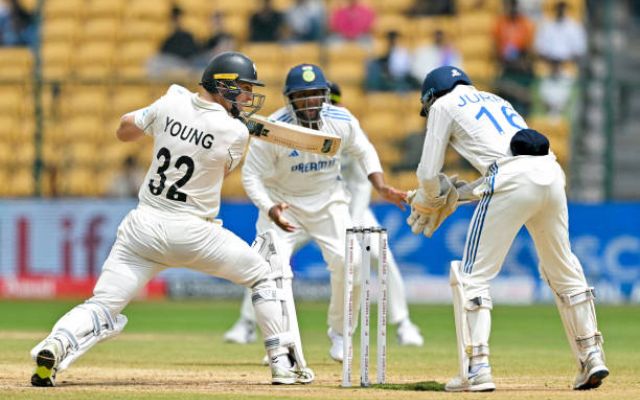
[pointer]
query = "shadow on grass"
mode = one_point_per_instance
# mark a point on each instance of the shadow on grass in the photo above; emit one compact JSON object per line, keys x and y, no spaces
{"x":428,"y":386}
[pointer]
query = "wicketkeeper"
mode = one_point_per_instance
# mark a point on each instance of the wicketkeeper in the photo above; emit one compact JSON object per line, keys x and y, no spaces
{"x":523,"y":185}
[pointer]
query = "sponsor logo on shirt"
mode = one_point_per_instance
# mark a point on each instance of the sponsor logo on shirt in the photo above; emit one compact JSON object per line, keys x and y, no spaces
{"x":313,"y":166}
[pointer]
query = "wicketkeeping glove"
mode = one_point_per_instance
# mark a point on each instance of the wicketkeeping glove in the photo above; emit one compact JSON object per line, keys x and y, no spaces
{"x":420,"y":210}
{"x":428,"y":214}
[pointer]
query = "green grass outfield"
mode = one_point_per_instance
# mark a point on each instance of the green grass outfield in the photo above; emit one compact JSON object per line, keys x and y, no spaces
{"x":174,"y":350}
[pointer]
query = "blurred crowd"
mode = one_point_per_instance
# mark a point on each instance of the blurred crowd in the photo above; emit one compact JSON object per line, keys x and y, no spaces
{"x":522,"y":36}
{"x":18,"y":26}
{"x":537,"y":53}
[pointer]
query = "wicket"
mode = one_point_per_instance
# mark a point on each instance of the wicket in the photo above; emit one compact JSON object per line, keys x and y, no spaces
{"x":364,"y":236}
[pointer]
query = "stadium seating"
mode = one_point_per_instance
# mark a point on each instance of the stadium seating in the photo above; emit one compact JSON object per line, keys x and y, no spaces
{"x":94,"y":55}
{"x":100,"y":9}
{"x":20,"y":182}
{"x":56,"y":56}
{"x":54,"y":9}
{"x":60,"y":30}
{"x":15,"y":63}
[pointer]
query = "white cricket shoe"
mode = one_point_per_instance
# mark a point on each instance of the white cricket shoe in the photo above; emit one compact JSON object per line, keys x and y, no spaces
{"x":242,"y":332}
{"x":47,"y":361}
{"x":283,"y":373}
{"x":480,"y":380}
{"x":337,"y":342}
{"x":409,"y":334}
{"x":592,"y":373}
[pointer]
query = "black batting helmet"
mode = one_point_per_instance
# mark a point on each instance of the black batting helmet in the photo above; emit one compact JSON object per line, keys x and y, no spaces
{"x":229,"y":66}
{"x":222,"y":76}
{"x":335,"y":94}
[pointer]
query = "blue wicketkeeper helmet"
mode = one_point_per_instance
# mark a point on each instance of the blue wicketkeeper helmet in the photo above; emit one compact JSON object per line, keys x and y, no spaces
{"x":438,"y":82}
{"x":305,"y":77}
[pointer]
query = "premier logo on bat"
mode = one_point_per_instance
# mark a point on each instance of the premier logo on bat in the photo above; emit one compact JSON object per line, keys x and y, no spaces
{"x":293,"y":136}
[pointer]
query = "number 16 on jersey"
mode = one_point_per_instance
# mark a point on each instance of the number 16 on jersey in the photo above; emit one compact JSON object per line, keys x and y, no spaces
{"x":509,"y":114}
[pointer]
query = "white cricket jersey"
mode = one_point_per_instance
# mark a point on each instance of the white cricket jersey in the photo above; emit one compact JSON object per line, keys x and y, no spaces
{"x":194,"y":142}
{"x":311,"y":178}
{"x":358,"y":185}
{"x":479,"y":125}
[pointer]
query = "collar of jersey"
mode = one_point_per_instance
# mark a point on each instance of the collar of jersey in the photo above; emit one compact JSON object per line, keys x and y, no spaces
{"x":202,"y":103}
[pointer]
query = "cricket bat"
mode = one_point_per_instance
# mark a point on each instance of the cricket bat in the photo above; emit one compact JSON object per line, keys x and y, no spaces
{"x":293,"y":136}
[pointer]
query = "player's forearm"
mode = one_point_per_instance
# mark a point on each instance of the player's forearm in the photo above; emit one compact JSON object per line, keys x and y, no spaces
{"x":377,"y":181}
{"x":128,"y":131}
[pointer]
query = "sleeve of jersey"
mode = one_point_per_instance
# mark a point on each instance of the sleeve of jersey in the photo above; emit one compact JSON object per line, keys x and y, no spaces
{"x":145,"y":117}
{"x":435,"y":144}
{"x":236,"y":151}
{"x":257,"y":166}
{"x":360,"y":189}
{"x":360,"y":148}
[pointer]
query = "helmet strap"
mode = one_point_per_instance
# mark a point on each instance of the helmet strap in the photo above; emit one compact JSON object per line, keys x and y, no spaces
{"x":235,"y":111}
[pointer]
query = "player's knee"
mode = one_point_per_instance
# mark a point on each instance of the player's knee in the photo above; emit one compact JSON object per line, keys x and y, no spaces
{"x":256,"y":275}
{"x":265,"y":290}
{"x":568,"y":286}
{"x":335,"y":262}
{"x":476,"y":303}
{"x":474,"y":288}
{"x":106,"y":306}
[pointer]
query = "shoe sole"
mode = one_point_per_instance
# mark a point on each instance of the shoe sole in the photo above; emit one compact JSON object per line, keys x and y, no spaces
{"x":410,"y":343}
{"x":283,"y":381}
{"x":291,"y":381}
{"x":484,"y":387}
{"x":594,"y":380}
{"x":45,"y":373}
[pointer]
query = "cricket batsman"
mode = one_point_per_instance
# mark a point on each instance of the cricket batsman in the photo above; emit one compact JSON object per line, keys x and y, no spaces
{"x":198,"y":140}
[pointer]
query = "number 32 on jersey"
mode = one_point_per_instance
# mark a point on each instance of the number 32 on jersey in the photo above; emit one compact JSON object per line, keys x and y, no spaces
{"x":173,"y":193}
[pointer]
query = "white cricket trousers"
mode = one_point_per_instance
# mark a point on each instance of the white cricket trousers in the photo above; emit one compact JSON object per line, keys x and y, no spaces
{"x":149,"y":241}
{"x":529,"y":191}
{"x":398,"y":308}
{"x":327,"y":227}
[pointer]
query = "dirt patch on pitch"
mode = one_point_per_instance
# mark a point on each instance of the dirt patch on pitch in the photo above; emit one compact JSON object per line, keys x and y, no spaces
{"x":185,"y":383}
{"x":134,"y":374}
